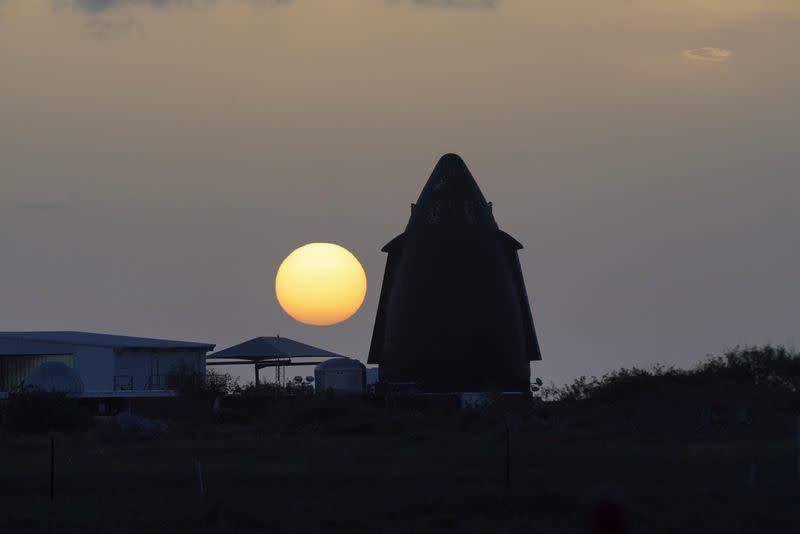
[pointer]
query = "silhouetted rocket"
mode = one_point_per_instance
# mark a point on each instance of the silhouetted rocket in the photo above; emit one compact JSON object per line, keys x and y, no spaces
{"x":453,"y":311}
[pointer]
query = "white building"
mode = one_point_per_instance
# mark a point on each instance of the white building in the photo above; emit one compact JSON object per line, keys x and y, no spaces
{"x":108,"y":365}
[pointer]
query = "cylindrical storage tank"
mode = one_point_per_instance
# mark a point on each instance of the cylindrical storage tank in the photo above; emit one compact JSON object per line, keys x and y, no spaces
{"x":344,"y":376}
{"x":55,"y":377}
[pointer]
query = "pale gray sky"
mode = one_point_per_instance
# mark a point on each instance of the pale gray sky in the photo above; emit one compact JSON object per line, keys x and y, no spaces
{"x":159,"y":158}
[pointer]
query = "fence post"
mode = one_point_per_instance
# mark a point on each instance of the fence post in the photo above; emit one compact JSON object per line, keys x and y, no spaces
{"x":200,"y":479}
{"x":52,"y":465}
{"x":508,"y":458}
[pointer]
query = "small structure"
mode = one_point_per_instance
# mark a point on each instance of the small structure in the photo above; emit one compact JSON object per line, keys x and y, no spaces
{"x":373,"y":375}
{"x":106,"y":365}
{"x":55,"y":377}
{"x":277,"y":352}
{"x":344,"y":376}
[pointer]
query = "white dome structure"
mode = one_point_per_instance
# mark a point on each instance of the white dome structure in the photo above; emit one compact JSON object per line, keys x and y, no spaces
{"x":55,"y":377}
{"x":341,"y":375}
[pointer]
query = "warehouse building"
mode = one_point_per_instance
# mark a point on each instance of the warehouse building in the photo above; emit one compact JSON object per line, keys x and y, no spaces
{"x":107,"y":365}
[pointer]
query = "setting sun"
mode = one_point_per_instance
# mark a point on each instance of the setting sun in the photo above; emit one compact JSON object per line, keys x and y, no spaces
{"x":320,"y":284}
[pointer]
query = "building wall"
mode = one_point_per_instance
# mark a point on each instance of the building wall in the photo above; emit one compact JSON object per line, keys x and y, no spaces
{"x":103,"y":370}
{"x":15,"y":369}
{"x":95,"y":365}
{"x":148,"y":369}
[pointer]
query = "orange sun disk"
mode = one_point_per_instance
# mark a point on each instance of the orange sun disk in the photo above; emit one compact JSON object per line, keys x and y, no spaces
{"x":321,"y":284}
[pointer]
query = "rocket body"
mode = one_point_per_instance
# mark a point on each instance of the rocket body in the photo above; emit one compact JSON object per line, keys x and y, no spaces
{"x":453,"y":312}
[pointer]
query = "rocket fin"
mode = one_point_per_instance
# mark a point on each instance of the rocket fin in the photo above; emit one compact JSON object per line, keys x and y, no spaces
{"x":395,"y":245}
{"x":393,"y":248}
{"x":511,"y":246}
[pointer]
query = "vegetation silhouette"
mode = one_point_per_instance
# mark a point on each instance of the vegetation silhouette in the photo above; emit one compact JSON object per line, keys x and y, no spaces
{"x":774,"y":366}
{"x":647,"y":450}
{"x":38,"y":412}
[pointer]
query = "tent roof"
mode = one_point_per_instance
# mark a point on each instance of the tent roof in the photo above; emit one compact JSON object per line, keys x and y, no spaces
{"x":261,"y":348}
{"x":99,"y":340}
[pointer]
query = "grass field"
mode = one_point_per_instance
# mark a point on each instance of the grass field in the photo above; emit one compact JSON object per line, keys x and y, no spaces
{"x":417,"y":474}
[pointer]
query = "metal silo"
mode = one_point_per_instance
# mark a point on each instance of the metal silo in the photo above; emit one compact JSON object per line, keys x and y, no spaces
{"x":341,"y":375}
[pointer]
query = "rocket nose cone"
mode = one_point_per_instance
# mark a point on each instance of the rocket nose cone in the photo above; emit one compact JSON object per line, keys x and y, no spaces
{"x":452,"y":162}
{"x":450,"y":188}
{"x":451,"y":178}
{"x":451,"y":168}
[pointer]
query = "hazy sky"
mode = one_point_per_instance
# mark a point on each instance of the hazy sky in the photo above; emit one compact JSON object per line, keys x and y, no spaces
{"x":159,"y":158}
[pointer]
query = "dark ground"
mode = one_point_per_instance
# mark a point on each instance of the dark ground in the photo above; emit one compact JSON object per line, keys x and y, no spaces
{"x":359,"y":468}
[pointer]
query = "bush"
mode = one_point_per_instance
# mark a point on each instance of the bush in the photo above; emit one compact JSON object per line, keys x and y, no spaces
{"x":749,"y":366}
{"x":199,"y":392}
{"x":754,"y":366}
{"x":188,"y":382}
{"x":262,"y":390}
{"x":40,"y":412}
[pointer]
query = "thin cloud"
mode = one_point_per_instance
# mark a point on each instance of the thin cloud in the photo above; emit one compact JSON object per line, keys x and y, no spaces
{"x":96,"y":6}
{"x":104,"y":29}
{"x":708,"y":53}
{"x":480,"y":4}
{"x":100,"y":6}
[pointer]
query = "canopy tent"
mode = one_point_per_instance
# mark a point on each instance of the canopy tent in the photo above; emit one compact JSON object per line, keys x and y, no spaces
{"x":266,"y":351}
{"x":261,"y":348}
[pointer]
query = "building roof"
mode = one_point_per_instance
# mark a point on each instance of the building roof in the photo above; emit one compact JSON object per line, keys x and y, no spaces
{"x":49,"y":341}
{"x":24,"y":347}
{"x":262,"y":348}
{"x":340,"y":363}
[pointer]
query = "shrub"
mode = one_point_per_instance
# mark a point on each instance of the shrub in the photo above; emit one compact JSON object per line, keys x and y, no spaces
{"x":748,"y":366}
{"x":188,"y":382}
{"x":754,"y":366}
{"x":40,"y":411}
